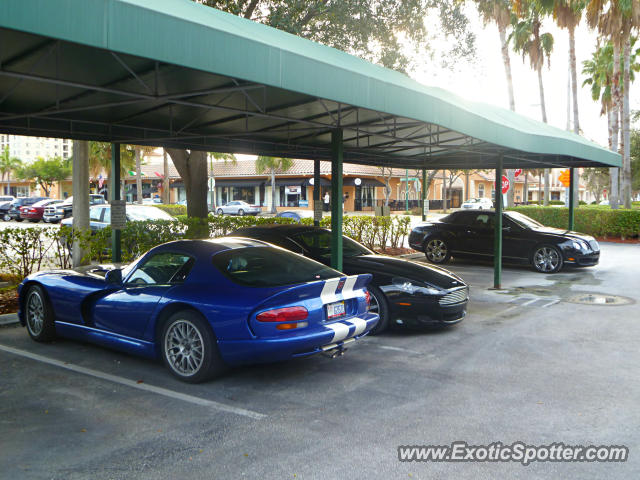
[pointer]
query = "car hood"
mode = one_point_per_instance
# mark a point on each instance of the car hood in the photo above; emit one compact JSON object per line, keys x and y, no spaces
{"x":559,"y":232}
{"x":384,"y":265}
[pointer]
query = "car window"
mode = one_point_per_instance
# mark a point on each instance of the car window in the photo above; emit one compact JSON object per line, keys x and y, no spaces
{"x":269,"y":267}
{"x":458,"y":218}
{"x":147,"y":213}
{"x":106,"y":217}
{"x":522,"y":220}
{"x":483,"y":220}
{"x":162,"y":269}
{"x":318,"y":244}
{"x":95,"y":214}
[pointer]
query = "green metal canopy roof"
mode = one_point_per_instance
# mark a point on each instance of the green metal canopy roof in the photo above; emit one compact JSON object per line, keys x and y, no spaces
{"x":176,"y":73}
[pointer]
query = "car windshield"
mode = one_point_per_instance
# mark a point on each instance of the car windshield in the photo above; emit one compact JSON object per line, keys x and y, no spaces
{"x":147,"y":213}
{"x":270,"y":267}
{"x":522,"y":220}
{"x":318,"y":243}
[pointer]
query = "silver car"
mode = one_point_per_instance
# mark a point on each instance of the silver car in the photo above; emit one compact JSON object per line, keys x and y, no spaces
{"x":238,"y":207}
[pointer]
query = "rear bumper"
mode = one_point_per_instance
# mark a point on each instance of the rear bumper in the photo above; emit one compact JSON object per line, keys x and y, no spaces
{"x":53,"y":218}
{"x":31,"y":216}
{"x":301,"y":343}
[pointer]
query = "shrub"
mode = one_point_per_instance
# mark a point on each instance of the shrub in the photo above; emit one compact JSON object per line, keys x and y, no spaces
{"x":174,"y":209}
{"x":601,"y":222}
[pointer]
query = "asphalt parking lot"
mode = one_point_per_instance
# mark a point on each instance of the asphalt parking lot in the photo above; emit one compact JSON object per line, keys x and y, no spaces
{"x":526,"y":364}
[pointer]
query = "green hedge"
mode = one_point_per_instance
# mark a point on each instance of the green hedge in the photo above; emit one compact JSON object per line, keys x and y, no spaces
{"x":27,"y":250}
{"x":174,"y":210}
{"x":593,"y":221}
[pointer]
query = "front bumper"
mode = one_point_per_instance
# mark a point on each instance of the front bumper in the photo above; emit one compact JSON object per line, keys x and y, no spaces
{"x":306,"y":341}
{"x":582,"y":259}
{"x":416,"y":312}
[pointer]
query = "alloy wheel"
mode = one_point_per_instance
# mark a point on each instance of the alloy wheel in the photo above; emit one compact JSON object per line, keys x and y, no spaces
{"x":35,"y":313}
{"x":184,"y":348}
{"x":436,"y":250}
{"x":546,"y":259}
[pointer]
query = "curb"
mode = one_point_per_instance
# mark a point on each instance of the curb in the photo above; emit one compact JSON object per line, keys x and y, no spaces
{"x":9,"y":319}
{"x":411,"y":256}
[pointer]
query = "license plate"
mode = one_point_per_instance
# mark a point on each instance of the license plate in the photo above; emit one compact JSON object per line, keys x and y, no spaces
{"x":335,"y":310}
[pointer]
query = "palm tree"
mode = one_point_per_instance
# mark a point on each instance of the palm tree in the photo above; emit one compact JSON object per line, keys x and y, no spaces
{"x":615,"y":19}
{"x":528,"y":40}
{"x":568,"y":14}
{"x":100,"y":160}
{"x":272,"y":164}
{"x":8,"y":164}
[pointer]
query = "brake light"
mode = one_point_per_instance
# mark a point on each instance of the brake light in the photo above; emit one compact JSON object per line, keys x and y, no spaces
{"x":367,"y":297}
{"x":287,"y":314}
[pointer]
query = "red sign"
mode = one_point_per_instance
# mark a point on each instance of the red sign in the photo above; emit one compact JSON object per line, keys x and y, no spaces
{"x":518,"y":172}
{"x":505,"y":184}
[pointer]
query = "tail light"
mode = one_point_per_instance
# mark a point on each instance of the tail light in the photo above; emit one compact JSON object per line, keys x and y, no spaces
{"x":288,"y":314}
{"x":32,"y":210}
{"x":367,"y":298}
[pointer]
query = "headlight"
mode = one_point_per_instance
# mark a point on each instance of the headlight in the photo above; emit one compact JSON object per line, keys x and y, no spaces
{"x":411,"y":286}
{"x":580,"y":245}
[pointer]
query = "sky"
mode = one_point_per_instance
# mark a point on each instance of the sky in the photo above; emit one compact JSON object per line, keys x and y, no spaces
{"x":484,"y":80}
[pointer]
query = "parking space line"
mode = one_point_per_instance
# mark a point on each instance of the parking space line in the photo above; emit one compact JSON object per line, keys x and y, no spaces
{"x":133,"y":384}
{"x":553,"y":302}
{"x":397,"y":349}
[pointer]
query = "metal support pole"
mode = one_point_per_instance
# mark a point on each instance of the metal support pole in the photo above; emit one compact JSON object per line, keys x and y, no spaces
{"x":406,"y":189}
{"x":572,"y":206}
{"x":497,"y":237}
{"x":114,"y":184}
{"x":80,"y":188}
{"x":336,"y":198}
{"x":317,"y":190}
{"x":424,"y":193}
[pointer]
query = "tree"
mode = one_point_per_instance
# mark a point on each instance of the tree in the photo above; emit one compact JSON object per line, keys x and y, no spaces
{"x":372,"y":30}
{"x":138,"y":153}
{"x":528,"y":40}
{"x":386,"y":174}
{"x":272,"y":164}
{"x":634,"y":152}
{"x":600,"y":76}
{"x":568,"y":14}
{"x":8,"y":164}
{"x":596,"y":181}
{"x":100,"y":161}
{"x":615,"y":19}
{"x":46,"y":172}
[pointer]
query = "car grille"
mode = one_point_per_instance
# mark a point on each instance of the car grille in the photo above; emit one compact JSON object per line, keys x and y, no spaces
{"x":594,"y":245}
{"x":50,"y":210}
{"x":455,"y":296}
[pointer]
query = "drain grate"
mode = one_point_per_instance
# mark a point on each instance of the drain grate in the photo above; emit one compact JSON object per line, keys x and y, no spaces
{"x":599,"y":299}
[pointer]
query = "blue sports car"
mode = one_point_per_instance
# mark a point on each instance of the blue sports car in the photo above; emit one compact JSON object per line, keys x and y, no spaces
{"x":203,"y":305}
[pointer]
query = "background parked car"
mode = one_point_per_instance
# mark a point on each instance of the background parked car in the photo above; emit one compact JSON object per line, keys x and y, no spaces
{"x":478,"y":204}
{"x":55,"y":213}
{"x":100,"y":215}
{"x":238,"y":207}
{"x":297,"y":215}
{"x":471,"y":234}
{"x":6,"y":198}
{"x":402,"y":292}
{"x":13,"y":212}
{"x":34,"y":212}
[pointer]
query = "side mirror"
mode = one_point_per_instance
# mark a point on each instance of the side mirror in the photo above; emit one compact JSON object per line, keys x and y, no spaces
{"x":506,"y":229}
{"x":113,"y":277}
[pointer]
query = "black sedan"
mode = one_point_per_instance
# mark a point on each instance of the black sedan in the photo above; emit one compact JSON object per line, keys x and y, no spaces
{"x":471,"y":234}
{"x":402,"y":292}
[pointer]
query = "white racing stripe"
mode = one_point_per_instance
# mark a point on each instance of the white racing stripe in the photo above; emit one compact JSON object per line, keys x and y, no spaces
{"x":347,"y":290}
{"x":133,"y":384}
{"x":340,"y":331}
{"x":360,"y":325}
{"x":328,"y":293}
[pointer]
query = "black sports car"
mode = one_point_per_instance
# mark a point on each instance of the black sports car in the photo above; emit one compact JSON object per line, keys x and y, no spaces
{"x":402,"y":292}
{"x":471,"y":234}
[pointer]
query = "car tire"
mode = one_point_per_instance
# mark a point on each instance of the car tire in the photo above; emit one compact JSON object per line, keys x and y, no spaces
{"x":241,"y":212}
{"x":6,"y":217}
{"x":186,"y":331}
{"x":380,"y":306}
{"x":436,"y":250}
{"x":34,"y":221}
{"x":219,"y":211}
{"x":39,"y":318}
{"x":18,"y":219}
{"x":547,"y":259}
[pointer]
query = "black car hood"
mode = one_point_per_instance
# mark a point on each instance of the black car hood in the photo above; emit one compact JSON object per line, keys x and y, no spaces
{"x":390,"y":266}
{"x":559,"y":232}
